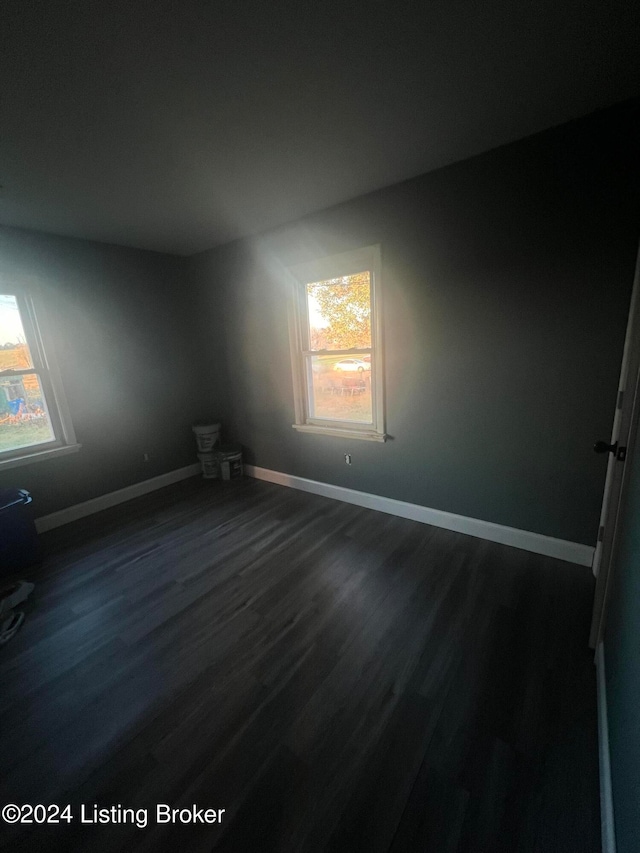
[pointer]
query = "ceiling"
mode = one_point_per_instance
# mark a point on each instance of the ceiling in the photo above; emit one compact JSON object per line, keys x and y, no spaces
{"x":177,"y":126}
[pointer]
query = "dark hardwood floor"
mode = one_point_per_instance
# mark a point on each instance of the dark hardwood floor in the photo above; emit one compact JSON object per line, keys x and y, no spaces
{"x":334,"y":678}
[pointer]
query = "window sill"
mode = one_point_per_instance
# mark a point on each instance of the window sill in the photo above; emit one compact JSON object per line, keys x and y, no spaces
{"x":38,"y":456}
{"x":364,"y":435}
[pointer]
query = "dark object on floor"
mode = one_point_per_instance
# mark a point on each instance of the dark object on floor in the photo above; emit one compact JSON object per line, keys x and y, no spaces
{"x":19,"y":545}
{"x":11,"y":619}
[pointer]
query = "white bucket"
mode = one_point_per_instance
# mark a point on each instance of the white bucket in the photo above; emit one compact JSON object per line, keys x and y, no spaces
{"x":210,"y":465}
{"x":207,"y":436}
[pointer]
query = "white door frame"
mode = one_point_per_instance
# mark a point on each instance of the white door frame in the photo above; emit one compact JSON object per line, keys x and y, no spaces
{"x":621,"y":435}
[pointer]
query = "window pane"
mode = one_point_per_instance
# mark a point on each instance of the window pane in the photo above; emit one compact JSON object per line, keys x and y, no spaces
{"x":14,"y":352}
{"x":339,"y":312}
{"x":24,"y":419}
{"x":340,"y":388}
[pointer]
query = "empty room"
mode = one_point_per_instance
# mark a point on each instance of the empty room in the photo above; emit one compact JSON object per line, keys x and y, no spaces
{"x":319,"y":397}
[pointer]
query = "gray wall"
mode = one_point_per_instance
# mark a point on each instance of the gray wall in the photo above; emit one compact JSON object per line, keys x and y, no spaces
{"x":124,"y":336}
{"x":507,"y":280}
{"x":622,"y":666}
{"x":506,"y":287}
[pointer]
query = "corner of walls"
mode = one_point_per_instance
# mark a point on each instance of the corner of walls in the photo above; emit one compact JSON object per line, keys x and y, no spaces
{"x":497,"y":377}
{"x":125,"y":343}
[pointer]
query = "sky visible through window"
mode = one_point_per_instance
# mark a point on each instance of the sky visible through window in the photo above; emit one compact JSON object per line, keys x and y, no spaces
{"x":11,"y":330}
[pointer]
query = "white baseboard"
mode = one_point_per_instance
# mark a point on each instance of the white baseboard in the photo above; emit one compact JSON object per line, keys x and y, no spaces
{"x":73,"y":513}
{"x":606,"y":797}
{"x":572,"y":552}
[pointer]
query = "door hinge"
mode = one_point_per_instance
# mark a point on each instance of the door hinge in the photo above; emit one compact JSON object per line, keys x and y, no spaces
{"x":621,"y":455}
{"x":601,"y":533}
{"x":620,"y":399}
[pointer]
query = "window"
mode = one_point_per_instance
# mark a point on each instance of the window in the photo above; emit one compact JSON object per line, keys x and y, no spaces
{"x":336,"y":351}
{"x":34,"y":418}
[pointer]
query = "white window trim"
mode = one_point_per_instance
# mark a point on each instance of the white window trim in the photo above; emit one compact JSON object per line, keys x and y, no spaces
{"x":40,"y":341}
{"x":347,"y":263}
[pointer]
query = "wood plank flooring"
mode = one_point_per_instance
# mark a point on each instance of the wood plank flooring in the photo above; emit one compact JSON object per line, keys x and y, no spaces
{"x":335,"y":678}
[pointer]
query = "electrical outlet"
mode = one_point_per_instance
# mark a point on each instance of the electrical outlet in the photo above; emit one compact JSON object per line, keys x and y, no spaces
{"x":347,"y":458}
{"x":145,"y":456}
